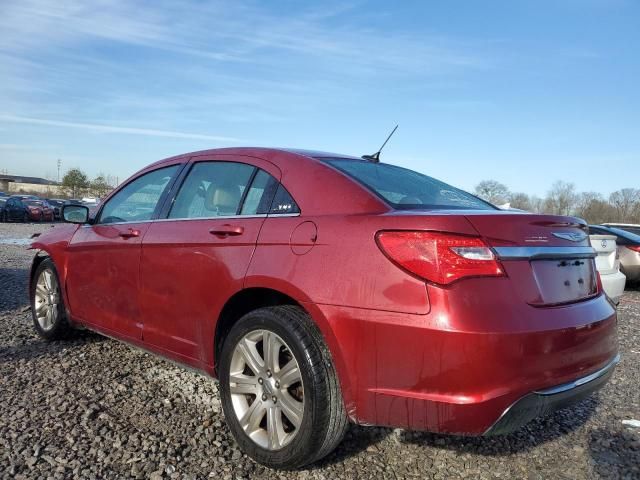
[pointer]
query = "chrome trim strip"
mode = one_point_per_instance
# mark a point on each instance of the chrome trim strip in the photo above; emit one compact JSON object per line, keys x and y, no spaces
{"x":537,"y":253}
{"x":580,"y":381}
{"x":222,"y":217}
{"x":271,"y":215}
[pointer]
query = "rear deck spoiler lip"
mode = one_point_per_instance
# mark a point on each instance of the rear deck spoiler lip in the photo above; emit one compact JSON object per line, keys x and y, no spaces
{"x":542,"y":253}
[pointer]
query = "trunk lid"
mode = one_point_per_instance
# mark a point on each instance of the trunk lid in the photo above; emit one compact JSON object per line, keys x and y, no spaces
{"x":505,"y":228}
{"x":547,"y":257}
{"x":605,"y":247}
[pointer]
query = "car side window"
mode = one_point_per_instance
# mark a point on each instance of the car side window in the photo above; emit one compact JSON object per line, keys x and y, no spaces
{"x":212,"y":189}
{"x":138,"y":200}
{"x":283,"y":202}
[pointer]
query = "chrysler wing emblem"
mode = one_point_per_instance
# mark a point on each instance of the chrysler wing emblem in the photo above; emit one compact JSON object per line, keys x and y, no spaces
{"x":571,"y":236}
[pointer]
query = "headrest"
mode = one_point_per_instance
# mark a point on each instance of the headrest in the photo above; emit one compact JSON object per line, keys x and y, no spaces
{"x":222,"y":199}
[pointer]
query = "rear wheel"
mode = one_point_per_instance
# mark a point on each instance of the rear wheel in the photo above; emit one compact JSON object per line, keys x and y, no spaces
{"x":280,"y":392}
{"x":47,"y":307}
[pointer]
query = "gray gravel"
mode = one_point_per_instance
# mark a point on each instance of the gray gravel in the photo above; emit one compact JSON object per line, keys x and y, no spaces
{"x":96,"y":408}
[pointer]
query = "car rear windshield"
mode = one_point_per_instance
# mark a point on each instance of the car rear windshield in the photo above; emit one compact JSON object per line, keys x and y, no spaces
{"x":405,"y":189}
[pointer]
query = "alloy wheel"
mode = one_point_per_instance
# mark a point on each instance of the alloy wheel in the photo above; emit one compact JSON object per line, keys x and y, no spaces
{"x":266,"y":389}
{"x":47,"y":297}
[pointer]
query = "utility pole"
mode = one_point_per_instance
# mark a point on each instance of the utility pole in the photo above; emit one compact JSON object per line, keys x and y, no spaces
{"x":59,"y":163}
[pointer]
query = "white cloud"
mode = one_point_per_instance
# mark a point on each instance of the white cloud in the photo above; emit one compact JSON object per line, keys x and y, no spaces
{"x":116,"y":129}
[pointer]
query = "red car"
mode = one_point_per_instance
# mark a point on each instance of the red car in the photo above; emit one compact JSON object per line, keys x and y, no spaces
{"x":39,"y":210}
{"x":321,"y":289}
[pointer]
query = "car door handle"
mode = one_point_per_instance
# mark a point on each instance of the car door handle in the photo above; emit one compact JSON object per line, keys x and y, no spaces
{"x":227,"y":230}
{"x":130,"y":233}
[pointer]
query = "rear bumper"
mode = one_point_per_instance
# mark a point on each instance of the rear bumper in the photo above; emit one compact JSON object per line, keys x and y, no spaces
{"x":613,"y":285}
{"x":548,"y":400}
{"x":428,"y":372}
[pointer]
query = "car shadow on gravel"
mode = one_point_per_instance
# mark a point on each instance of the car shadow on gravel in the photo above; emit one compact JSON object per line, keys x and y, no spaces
{"x":13,"y":288}
{"x":536,"y":433}
{"x":30,"y":347}
{"x":528,"y":437}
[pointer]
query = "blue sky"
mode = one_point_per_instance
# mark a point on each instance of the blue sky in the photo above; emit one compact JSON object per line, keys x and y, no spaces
{"x":522,"y":92}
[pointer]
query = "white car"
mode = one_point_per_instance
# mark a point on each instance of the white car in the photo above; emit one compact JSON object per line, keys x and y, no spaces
{"x":608,"y":265}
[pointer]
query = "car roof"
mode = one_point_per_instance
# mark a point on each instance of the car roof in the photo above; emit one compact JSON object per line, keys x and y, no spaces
{"x":341,"y":193}
{"x":252,"y":151}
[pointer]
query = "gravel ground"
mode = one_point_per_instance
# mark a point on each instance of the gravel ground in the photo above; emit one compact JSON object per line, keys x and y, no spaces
{"x":96,"y":408}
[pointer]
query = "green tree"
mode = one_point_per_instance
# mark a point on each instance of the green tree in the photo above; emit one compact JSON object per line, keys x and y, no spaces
{"x":75,"y":181}
{"x":100,"y":185}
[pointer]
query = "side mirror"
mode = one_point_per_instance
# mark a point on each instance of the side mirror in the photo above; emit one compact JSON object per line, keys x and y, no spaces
{"x":75,"y":213}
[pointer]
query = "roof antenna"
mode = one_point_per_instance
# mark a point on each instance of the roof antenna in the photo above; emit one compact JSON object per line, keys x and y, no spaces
{"x":375,"y":158}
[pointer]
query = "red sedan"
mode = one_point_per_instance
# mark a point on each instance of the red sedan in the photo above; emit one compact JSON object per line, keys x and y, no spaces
{"x":39,"y":210}
{"x":321,"y":289}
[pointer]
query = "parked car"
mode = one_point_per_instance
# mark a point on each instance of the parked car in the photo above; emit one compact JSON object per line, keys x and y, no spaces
{"x":56,"y":204}
{"x":628,"y":245}
{"x":46,"y":210}
{"x":90,"y":201}
{"x":3,"y":202}
{"x":22,"y":209}
{"x":321,"y":289}
{"x":628,"y":227}
{"x":2,"y":194}
{"x":608,"y":265}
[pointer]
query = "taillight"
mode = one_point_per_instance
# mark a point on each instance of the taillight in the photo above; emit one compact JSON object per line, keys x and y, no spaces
{"x":440,"y":257}
{"x":635,"y":248}
{"x":599,"y":279}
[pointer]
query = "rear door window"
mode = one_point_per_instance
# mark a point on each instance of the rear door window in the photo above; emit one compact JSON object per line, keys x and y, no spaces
{"x":221,"y":189}
{"x":212,"y":189}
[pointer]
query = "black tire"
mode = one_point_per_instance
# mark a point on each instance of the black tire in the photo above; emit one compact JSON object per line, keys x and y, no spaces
{"x":41,"y":219}
{"x":60,"y":327}
{"x":25,"y":218}
{"x":324,"y":421}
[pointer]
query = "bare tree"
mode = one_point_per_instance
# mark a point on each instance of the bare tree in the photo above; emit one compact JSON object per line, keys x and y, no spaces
{"x":561,"y":198}
{"x":492,"y":191}
{"x":521,"y":201}
{"x":594,"y":208}
{"x":625,"y":202}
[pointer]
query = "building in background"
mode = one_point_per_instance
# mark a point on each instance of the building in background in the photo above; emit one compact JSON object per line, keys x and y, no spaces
{"x":14,"y":184}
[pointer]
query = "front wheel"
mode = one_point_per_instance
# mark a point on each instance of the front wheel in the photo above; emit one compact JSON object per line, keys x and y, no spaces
{"x":47,"y":307}
{"x":280,"y":392}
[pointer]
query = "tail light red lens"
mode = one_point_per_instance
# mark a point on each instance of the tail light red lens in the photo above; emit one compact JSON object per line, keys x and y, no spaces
{"x":441,"y":258}
{"x":599,"y":280}
{"x":635,"y":248}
